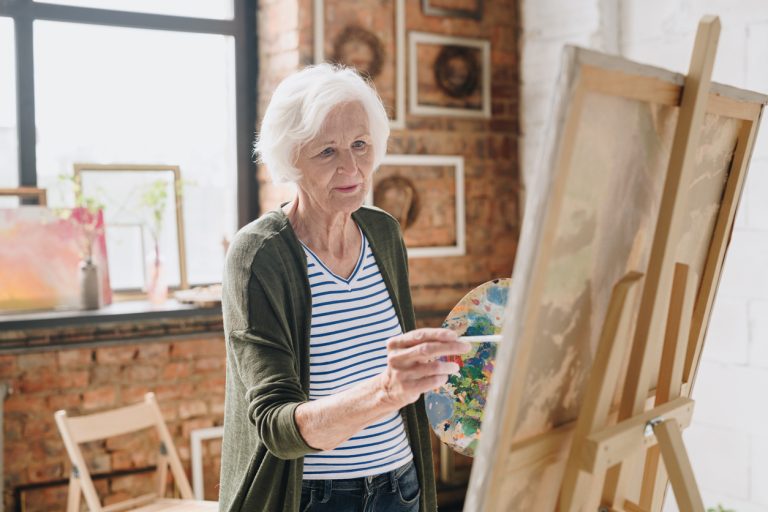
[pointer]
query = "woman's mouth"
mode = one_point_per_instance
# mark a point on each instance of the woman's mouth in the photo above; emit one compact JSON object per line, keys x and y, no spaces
{"x":347,"y":189}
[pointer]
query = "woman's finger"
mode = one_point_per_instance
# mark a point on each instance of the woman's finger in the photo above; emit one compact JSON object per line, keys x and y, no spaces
{"x":401,"y":359}
{"x":444,"y":368}
{"x":419,"y":336}
{"x":428,"y":383}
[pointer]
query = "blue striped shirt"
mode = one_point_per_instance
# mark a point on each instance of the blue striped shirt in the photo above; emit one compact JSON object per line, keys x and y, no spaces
{"x":352,"y":319}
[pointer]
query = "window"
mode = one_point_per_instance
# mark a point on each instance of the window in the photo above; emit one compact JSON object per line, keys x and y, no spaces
{"x":9,"y":148}
{"x":172,"y":82}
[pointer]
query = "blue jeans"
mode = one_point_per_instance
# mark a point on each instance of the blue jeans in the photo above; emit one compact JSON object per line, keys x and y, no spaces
{"x":395,"y":491}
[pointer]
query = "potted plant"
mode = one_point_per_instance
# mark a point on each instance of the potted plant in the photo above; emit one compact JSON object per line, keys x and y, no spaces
{"x":88,"y":218}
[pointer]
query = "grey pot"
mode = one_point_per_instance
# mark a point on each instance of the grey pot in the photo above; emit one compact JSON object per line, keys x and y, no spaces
{"x":90,"y":285}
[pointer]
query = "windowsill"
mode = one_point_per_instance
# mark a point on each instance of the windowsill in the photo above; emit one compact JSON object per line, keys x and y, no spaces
{"x":116,"y":312}
{"x":127,"y":320}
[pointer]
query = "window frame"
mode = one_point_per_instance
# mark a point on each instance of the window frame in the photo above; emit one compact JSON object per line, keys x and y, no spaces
{"x":242,"y":27}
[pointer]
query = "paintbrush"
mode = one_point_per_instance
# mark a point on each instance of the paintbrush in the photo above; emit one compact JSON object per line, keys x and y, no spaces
{"x":492,"y":338}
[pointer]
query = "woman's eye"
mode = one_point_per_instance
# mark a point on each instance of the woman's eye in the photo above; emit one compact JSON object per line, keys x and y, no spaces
{"x":326,"y":152}
{"x":358,"y":144}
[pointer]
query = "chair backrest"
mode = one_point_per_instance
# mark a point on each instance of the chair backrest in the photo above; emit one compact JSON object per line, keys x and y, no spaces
{"x":93,"y":427}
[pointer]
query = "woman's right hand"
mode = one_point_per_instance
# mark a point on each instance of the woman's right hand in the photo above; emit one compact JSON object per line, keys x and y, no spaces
{"x":413,"y":366}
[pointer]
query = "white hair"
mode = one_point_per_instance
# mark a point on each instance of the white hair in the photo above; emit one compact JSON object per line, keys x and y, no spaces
{"x":298,"y":108}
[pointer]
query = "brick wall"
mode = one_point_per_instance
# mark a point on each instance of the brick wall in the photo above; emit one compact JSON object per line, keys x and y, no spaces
{"x":727,"y":442}
{"x":489,"y":147}
{"x":186,"y":375}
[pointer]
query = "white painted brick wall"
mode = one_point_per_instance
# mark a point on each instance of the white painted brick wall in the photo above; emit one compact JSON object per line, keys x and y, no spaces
{"x":728,"y":441}
{"x":728,"y":334}
{"x":758,"y":335}
{"x":732,"y":450}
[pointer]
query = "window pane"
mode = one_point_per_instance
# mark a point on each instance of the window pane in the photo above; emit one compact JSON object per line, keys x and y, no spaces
{"x":218,"y":9}
{"x":9,"y":147}
{"x":109,"y":95}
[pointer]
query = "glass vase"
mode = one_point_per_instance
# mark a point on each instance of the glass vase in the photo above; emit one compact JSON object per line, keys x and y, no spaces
{"x":156,"y":283}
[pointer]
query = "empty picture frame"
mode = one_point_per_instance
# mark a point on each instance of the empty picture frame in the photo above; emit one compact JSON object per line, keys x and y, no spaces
{"x":371,"y":40}
{"x":412,"y":189}
{"x":472,"y":9}
{"x":449,"y":76}
{"x":127,"y":251}
{"x":119,"y":187}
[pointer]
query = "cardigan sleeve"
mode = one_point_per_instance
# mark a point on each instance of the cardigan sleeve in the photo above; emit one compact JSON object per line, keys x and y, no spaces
{"x":272,"y":392}
{"x":264,"y":361}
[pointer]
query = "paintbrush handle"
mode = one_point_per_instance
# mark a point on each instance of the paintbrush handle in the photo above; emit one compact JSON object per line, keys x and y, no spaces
{"x":481,"y":339}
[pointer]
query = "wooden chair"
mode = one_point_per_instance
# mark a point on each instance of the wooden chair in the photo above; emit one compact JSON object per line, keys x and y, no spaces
{"x":93,"y":427}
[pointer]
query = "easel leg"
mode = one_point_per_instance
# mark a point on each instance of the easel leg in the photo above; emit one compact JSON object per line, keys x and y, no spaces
{"x":446,"y":464}
{"x":679,"y":466}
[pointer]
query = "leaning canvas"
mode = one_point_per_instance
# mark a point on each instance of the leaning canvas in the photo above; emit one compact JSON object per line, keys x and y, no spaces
{"x":40,"y":256}
{"x":589,"y":220}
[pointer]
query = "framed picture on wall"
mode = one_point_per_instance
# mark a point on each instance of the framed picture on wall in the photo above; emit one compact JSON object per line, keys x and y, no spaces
{"x":449,"y":76}
{"x":426,"y":194}
{"x":139,"y":201}
{"x":472,"y":9}
{"x":371,"y":38}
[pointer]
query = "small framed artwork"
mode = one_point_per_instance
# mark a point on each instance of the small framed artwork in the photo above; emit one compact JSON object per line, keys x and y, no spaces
{"x":371,"y":40}
{"x":142,"y":212}
{"x":472,"y":9}
{"x":425,"y":193}
{"x":13,"y":197}
{"x":449,"y":76}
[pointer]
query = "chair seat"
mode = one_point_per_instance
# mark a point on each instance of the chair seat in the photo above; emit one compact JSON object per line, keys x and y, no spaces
{"x":168,"y":505}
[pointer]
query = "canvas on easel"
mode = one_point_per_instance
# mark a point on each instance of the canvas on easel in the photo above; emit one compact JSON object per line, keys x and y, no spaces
{"x":589,"y":265}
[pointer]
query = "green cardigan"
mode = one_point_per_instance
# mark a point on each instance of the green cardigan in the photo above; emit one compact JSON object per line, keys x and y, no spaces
{"x":267,"y":311}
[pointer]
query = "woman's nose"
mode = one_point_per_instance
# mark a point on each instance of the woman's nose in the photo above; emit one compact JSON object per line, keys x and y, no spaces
{"x":346,"y":162}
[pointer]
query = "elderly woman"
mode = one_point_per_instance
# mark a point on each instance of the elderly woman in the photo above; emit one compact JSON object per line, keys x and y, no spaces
{"x":325,"y":371}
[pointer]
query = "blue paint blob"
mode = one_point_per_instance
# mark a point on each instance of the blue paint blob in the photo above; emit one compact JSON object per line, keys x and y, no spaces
{"x":498,"y":295}
{"x":439,"y":408}
{"x":479,"y":324}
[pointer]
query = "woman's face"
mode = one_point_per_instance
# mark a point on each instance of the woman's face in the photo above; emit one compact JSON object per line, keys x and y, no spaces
{"x":336,"y":165}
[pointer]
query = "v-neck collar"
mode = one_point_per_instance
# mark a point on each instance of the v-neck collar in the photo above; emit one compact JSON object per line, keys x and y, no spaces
{"x":328,"y":271}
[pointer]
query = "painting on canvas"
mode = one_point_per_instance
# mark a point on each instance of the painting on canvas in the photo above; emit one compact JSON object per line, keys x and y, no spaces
{"x":40,"y":257}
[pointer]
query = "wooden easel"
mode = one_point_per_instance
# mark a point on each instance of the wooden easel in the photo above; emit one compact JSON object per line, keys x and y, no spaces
{"x":556,"y":436}
{"x":602,"y":472}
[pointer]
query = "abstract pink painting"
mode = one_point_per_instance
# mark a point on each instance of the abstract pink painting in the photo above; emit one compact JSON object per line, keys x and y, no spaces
{"x":40,"y":254}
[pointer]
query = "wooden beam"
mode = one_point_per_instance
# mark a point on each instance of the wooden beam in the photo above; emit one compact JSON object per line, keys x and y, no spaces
{"x":661,"y":92}
{"x":679,"y":466}
{"x":670,"y":379}
{"x":721,"y":238}
{"x":616,"y":443}
{"x":636,"y":87}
